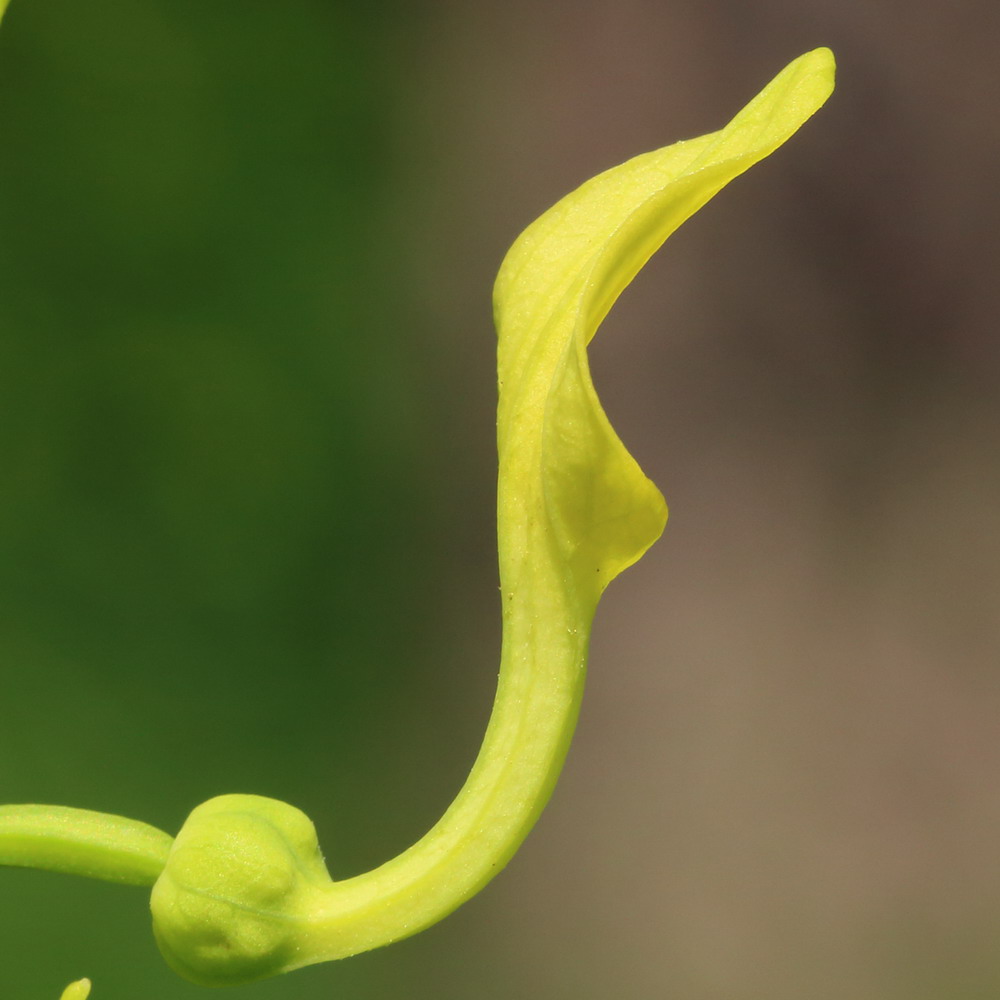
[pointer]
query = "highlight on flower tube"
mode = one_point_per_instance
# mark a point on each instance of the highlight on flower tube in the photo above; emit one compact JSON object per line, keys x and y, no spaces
{"x":243,"y":892}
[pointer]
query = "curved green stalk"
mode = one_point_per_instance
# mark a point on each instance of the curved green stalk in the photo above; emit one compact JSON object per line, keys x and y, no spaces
{"x":245,"y":892}
{"x":81,"y":842}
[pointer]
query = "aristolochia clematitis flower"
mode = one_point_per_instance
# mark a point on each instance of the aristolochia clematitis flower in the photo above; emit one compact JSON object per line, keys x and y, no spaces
{"x":243,"y":891}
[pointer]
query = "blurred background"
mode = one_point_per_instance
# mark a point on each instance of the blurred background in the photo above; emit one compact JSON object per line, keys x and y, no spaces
{"x":247,"y":472}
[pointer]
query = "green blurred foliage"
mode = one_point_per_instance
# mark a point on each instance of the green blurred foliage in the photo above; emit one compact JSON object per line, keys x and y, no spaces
{"x":217,"y":467}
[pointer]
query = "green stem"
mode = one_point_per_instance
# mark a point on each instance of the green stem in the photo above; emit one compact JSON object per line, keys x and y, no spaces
{"x":81,"y":842}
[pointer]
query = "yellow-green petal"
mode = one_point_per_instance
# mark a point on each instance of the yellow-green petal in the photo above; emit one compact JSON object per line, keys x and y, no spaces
{"x":569,"y":490}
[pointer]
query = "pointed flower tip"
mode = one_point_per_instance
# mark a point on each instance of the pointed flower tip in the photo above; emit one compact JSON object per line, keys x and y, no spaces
{"x":820,"y":64}
{"x":805,"y":83}
{"x":79,"y":990}
{"x":820,"y":58}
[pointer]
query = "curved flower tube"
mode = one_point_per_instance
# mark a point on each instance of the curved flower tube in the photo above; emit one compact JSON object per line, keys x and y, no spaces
{"x":243,"y":892}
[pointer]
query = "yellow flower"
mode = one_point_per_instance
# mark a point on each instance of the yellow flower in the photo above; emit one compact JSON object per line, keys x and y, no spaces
{"x":243,"y":892}
{"x":574,"y":510}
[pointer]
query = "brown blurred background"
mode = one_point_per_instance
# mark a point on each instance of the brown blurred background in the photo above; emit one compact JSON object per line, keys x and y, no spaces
{"x":783,"y":784}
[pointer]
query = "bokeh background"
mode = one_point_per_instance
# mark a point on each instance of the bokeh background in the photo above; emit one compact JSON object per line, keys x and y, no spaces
{"x":247,"y":468}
